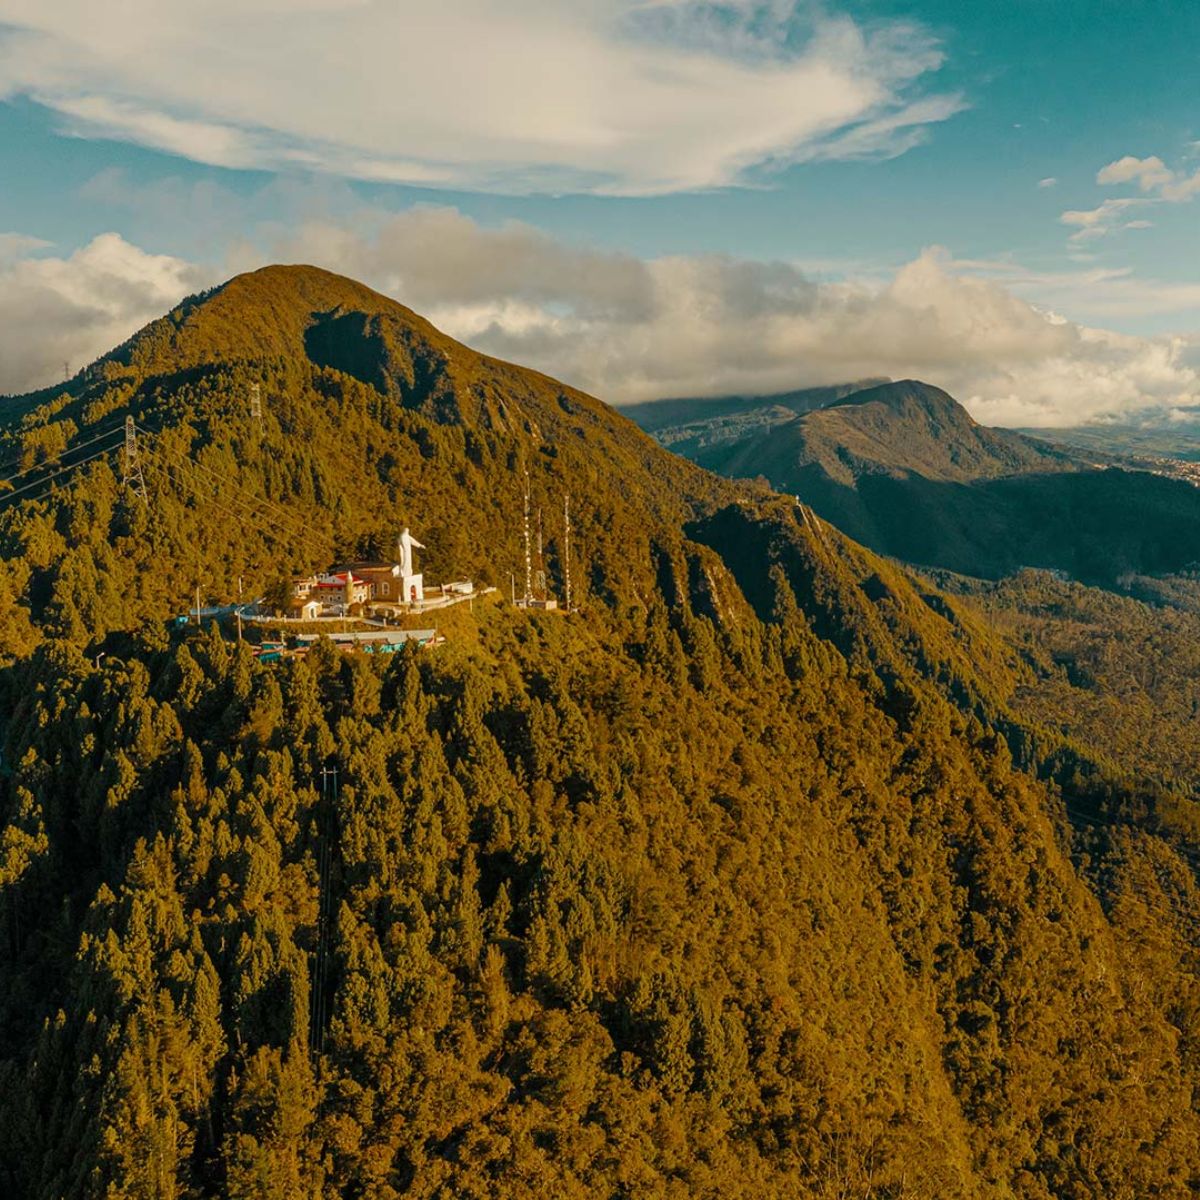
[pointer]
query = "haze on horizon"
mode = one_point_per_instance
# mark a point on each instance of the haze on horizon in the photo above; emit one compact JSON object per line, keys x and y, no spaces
{"x":645,"y":198}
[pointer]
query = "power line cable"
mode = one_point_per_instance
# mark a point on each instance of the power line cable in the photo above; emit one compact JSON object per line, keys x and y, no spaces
{"x":5,"y":498}
{"x":282,"y":516}
{"x":39,"y":466}
{"x":1093,"y":820}
{"x":117,"y":428}
{"x":224,"y":478}
{"x":248,"y":511}
{"x":205,"y":493}
{"x":228,"y":482}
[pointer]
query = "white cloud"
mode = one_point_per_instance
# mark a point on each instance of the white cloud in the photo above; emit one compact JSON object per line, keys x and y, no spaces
{"x":1150,"y":173}
{"x":627,"y":328}
{"x":99,"y":116}
{"x":632,"y":329}
{"x":617,"y":96}
{"x":56,"y":310}
{"x":1048,"y":182}
{"x":1092,"y":294}
{"x":1108,"y":217}
{"x":17,"y":245}
{"x":1158,"y":183}
{"x":1182,"y":188}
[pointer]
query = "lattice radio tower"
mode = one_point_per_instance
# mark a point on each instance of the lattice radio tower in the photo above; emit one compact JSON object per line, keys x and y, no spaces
{"x":528,"y":554}
{"x":541,"y":561}
{"x":131,"y":465}
{"x":256,"y":404}
{"x":567,"y":552}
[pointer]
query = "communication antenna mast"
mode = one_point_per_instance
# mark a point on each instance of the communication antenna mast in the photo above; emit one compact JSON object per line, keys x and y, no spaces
{"x":541,"y":562}
{"x":528,"y":556}
{"x":256,"y":404}
{"x":131,"y":466}
{"x":567,"y":552}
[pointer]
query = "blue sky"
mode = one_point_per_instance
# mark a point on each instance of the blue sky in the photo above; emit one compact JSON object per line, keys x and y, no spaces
{"x":805,"y":181}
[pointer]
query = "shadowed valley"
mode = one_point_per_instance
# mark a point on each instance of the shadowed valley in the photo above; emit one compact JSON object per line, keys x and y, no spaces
{"x":902,"y":468}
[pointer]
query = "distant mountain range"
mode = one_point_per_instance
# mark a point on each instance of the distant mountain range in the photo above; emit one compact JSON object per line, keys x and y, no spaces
{"x":1177,"y":439}
{"x":903,"y":468}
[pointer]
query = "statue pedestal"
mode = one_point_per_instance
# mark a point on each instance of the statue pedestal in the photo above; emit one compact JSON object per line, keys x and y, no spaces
{"x":412,"y":589}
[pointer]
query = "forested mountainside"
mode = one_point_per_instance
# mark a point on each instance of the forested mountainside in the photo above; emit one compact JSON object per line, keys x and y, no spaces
{"x":1119,"y":675}
{"x":898,"y":428}
{"x":1173,"y":435}
{"x":708,"y":420}
{"x":904,"y":469}
{"x":757,"y":876}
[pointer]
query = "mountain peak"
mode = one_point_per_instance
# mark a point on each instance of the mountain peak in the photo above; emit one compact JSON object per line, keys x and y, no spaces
{"x":270,"y":312}
{"x":910,"y":398}
{"x":307,"y":292}
{"x":908,"y":426}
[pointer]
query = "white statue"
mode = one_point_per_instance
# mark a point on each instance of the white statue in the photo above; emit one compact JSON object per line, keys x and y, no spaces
{"x":408,"y":544}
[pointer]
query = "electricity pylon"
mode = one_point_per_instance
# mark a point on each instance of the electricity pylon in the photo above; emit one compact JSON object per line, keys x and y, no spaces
{"x":131,"y":466}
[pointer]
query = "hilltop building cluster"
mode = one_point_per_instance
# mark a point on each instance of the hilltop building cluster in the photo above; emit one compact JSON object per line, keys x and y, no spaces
{"x":363,"y":589}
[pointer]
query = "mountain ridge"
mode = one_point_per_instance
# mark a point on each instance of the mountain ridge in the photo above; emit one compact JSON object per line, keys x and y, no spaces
{"x":904,"y":469}
{"x":653,"y":415}
{"x":751,"y":879}
{"x":903,"y":426}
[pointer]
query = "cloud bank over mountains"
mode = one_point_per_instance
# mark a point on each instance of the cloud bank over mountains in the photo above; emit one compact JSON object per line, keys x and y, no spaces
{"x":628,"y":328}
{"x":610,"y":97}
{"x":631,"y":97}
{"x":67,"y":311}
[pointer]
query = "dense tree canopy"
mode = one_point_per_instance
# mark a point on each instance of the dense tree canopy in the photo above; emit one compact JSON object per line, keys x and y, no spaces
{"x":777,"y":870}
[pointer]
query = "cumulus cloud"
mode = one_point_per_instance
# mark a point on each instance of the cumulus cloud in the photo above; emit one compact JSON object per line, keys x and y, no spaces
{"x":56,"y":310}
{"x":1159,"y":183}
{"x":1153,"y":175}
{"x":628,"y":328}
{"x":632,"y":329}
{"x":616,"y":96}
{"x":1149,"y":173}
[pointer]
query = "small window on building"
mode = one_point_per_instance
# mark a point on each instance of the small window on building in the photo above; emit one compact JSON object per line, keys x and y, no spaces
{"x":386,"y":592}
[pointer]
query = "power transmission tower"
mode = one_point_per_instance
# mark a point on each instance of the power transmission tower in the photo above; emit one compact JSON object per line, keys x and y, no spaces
{"x":256,"y":404}
{"x":131,"y":473}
